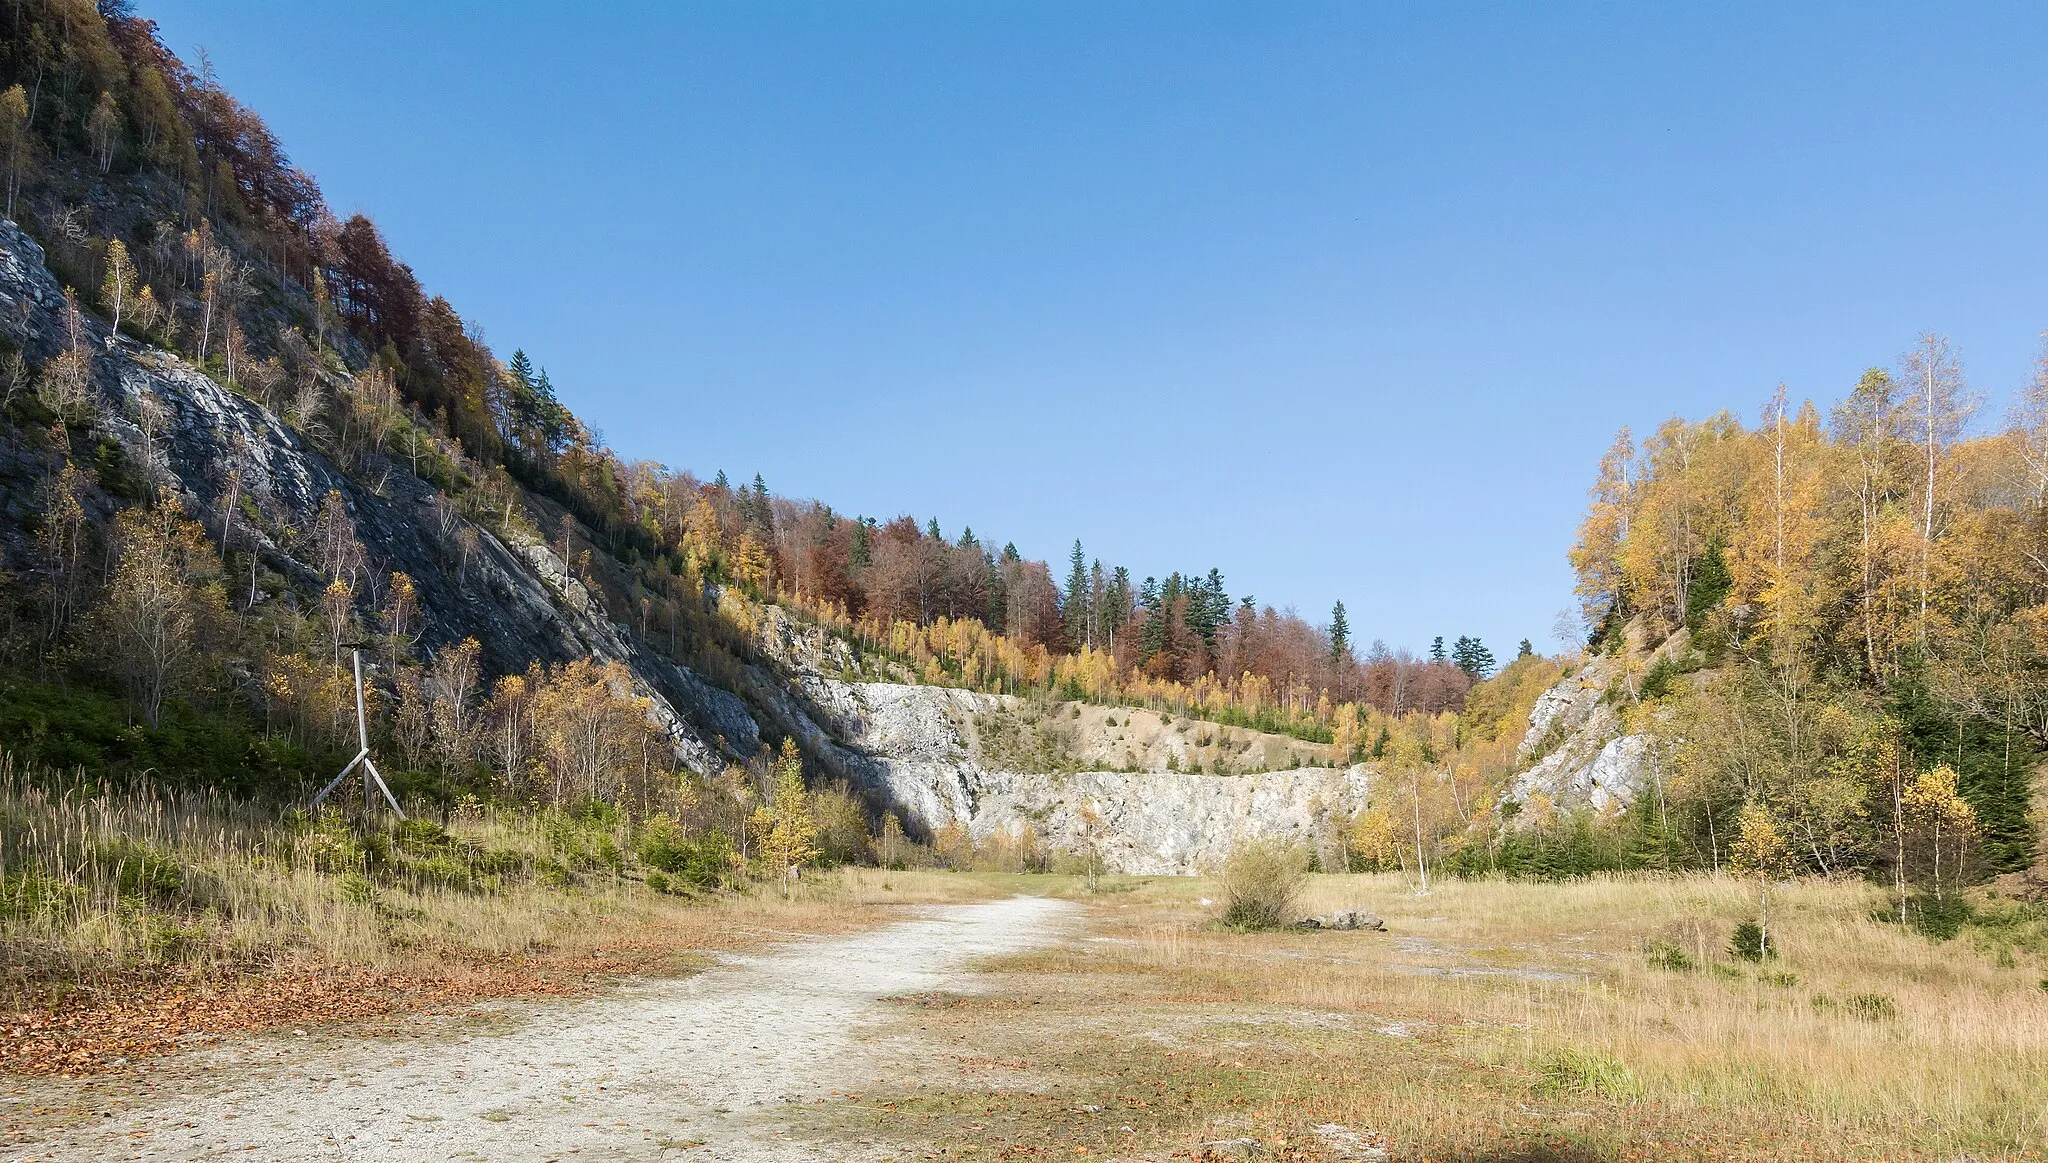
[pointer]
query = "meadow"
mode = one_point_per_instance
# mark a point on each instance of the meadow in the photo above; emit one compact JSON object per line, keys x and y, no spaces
{"x":1609,"y":1017}
{"x":1599,"y":1019}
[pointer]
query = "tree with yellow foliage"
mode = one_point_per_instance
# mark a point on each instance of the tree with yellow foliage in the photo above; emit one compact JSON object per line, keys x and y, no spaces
{"x":158,"y":603}
{"x":1943,"y":822}
{"x":121,"y":286}
{"x":1762,"y":849}
{"x":786,"y":825}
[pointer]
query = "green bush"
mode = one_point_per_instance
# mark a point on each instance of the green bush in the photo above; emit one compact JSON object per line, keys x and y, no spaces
{"x":662,"y":845}
{"x":357,"y":889}
{"x":1748,"y":942}
{"x":1665,"y":955}
{"x":1938,"y":919}
{"x":62,"y":728}
{"x":657,"y":881}
{"x":1570,"y":1070}
{"x":34,"y":893}
{"x":1261,"y":879}
{"x":143,"y":873}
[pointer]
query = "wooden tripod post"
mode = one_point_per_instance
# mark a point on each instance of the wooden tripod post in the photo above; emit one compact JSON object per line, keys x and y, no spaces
{"x":370,"y":773}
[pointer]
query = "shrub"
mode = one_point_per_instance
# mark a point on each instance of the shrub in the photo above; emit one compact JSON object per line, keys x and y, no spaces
{"x":1938,"y":919}
{"x":657,"y":881}
{"x":357,"y":888}
{"x":142,"y":872}
{"x":1871,"y":1007}
{"x":662,"y":845}
{"x":1748,"y":942}
{"x":35,"y":893}
{"x":1570,"y":1070}
{"x":1261,"y":880}
{"x":1665,"y":955}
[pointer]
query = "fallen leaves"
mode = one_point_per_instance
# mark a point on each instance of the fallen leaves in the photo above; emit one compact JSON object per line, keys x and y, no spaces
{"x":101,"y":1027}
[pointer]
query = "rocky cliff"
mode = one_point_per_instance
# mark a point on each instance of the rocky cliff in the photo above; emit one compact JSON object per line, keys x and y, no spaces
{"x":1580,"y":753}
{"x":184,"y":432}
{"x":1077,"y":777}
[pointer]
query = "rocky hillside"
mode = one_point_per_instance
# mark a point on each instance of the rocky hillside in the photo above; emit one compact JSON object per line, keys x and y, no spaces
{"x":1579,"y":752}
{"x":1149,"y":794}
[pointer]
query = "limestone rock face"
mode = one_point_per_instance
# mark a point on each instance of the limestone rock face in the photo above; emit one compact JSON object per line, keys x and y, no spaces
{"x":1578,"y":753}
{"x":1092,"y":778}
{"x":186,"y":431}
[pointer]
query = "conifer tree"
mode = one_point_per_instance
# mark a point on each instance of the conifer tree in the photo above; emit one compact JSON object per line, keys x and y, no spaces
{"x":1471,"y":656}
{"x":1074,"y":610}
{"x":1340,"y":633}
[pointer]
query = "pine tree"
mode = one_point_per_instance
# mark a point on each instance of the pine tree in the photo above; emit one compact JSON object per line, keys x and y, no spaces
{"x":1436,"y":649}
{"x":1525,"y":651}
{"x":719,"y":482}
{"x":858,"y":554}
{"x":1471,"y":656}
{"x":1340,"y":633}
{"x":1074,"y":612}
{"x":1116,"y":602}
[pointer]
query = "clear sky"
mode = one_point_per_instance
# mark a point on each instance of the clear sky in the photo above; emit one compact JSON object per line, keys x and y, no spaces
{"x":1343,"y":298}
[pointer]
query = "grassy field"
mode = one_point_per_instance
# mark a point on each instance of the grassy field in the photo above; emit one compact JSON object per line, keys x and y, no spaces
{"x":1493,"y":1021}
{"x":1599,"y":1019}
{"x":136,"y":921}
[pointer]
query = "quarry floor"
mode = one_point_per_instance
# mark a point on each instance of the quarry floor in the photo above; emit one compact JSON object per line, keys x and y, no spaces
{"x":705,"y":1067}
{"x":1492,"y":1022}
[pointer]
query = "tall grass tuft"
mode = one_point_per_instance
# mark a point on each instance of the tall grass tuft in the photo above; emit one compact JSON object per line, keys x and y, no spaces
{"x":1262,"y":878}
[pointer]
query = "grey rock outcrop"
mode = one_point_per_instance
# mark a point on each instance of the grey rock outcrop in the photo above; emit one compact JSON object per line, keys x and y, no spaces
{"x":918,"y":751}
{"x":185,"y":431}
{"x":1579,"y":754}
{"x":1344,"y":920}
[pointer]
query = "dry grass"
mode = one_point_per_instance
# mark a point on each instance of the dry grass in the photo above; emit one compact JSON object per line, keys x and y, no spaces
{"x":133,"y":919}
{"x":1498,"y":1021}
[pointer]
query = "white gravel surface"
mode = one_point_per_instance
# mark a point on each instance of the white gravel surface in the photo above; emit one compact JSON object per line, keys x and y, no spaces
{"x":700,"y":1068}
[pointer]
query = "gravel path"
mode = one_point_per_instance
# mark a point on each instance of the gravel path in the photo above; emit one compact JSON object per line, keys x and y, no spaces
{"x":700,"y":1068}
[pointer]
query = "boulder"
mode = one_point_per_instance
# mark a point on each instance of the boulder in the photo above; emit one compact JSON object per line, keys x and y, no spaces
{"x":1345,"y":920}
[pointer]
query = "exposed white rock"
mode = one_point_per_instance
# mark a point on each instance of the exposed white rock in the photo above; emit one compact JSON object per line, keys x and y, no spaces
{"x":1581,"y":755}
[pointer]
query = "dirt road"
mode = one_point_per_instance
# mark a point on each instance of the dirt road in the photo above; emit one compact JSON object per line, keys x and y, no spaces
{"x":701,"y":1068}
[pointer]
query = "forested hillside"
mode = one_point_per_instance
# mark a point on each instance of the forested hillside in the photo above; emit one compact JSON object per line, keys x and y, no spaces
{"x":179,"y":219}
{"x":1865,"y":593}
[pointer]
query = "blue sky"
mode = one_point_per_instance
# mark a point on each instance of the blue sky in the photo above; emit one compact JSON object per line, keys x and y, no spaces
{"x":1345,"y":299}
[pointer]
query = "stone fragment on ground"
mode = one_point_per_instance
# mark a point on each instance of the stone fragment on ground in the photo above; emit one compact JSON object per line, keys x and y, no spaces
{"x":1345,"y":1143}
{"x":1344,"y":919}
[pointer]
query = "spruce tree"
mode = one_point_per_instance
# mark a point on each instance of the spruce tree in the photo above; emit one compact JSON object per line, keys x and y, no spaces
{"x":1074,"y":611}
{"x":1436,"y":649}
{"x":1525,"y":651}
{"x":1471,"y":656}
{"x":1340,"y":632}
{"x":859,"y":554}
